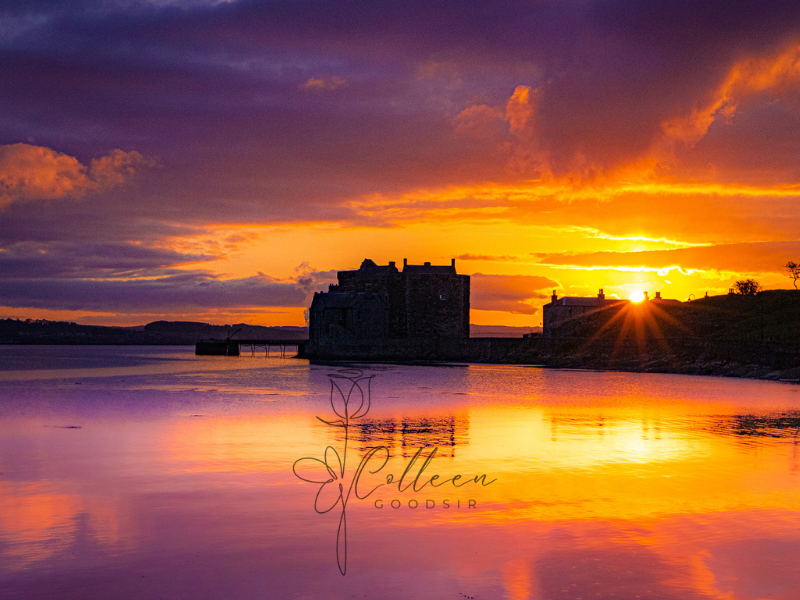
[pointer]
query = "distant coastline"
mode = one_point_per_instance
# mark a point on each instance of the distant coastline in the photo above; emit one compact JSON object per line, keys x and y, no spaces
{"x":176,"y":333}
{"x":158,"y":333}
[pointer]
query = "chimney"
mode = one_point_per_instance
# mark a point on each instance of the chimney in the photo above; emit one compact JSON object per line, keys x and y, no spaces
{"x":391,"y":264}
{"x":658,"y":295}
{"x":427,"y":264}
{"x":405,"y":263}
{"x":453,"y":262}
{"x":646,"y":296}
{"x":601,"y":295}
{"x":554,"y":297}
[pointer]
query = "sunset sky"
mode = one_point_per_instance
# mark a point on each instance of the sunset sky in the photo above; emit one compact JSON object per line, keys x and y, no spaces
{"x":220,"y":161}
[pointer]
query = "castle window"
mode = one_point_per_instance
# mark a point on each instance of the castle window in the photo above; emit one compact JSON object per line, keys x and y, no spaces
{"x":443,"y":295}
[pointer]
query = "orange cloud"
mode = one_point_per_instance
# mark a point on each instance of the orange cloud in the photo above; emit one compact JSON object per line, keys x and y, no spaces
{"x":519,"y":108}
{"x":479,"y":121}
{"x":489,"y":257}
{"x":37,"y":173}
{"x":673,"y":213}
{"x":747,"y":77}
{"x":483,"y":121}
{"x":767,"y":257}
{"x":516,"y":294}
{"x":323,"y":84}
{"x":116,"y":168}
{"x":755,"y":79}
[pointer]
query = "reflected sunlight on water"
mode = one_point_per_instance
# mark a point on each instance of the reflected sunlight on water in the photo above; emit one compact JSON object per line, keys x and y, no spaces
{"x":170,"y":476}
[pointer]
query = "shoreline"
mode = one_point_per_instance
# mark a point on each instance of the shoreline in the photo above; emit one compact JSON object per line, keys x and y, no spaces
{"x":707,"y":365}
{"x":769,"y":375}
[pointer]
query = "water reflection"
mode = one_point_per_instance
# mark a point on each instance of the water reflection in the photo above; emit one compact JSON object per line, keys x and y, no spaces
{"x":403,"y":436}
{"x":608,"y":486}
{"x":784,"y":425}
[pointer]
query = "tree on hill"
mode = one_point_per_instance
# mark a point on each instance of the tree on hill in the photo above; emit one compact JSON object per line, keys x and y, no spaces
{"x":794,"y":272}
{"x":747,"y":287}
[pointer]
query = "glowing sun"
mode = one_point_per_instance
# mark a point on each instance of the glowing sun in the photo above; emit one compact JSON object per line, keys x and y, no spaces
{"x":637,"y":296}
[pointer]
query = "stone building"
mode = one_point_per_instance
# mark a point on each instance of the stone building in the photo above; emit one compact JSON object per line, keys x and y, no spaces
{"x":376,"y":304}
{"x":561,"y":310}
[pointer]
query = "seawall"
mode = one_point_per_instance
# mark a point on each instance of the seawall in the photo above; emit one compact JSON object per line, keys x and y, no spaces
{"x":487,"y":349}
{"x":767,"y":359}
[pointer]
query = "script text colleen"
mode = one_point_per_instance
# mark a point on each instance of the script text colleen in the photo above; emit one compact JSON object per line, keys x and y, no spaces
{"x":408,"y":480}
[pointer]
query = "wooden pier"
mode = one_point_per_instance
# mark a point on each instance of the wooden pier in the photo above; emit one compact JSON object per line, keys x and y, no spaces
{"x":231,"y":347}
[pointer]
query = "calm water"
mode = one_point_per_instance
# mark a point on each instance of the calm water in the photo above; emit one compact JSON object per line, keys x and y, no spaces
{"x":152,"y":473}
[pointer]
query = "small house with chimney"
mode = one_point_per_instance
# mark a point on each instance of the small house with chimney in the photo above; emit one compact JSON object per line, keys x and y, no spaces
{"x":561,"y":310}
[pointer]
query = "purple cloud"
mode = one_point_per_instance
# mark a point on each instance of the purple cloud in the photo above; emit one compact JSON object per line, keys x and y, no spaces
{"x":178,"y":292}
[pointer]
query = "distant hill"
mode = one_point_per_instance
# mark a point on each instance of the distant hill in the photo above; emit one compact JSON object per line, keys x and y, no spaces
{"x":170,"y":333}
{"x":505,"y":331}
{"x":241,"y":331}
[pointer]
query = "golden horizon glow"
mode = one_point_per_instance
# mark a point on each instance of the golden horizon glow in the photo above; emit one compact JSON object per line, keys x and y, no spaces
{"x":637,"y":296}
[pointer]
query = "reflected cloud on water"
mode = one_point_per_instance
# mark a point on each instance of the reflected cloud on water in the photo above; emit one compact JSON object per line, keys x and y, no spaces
{"x":619,"y":486}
